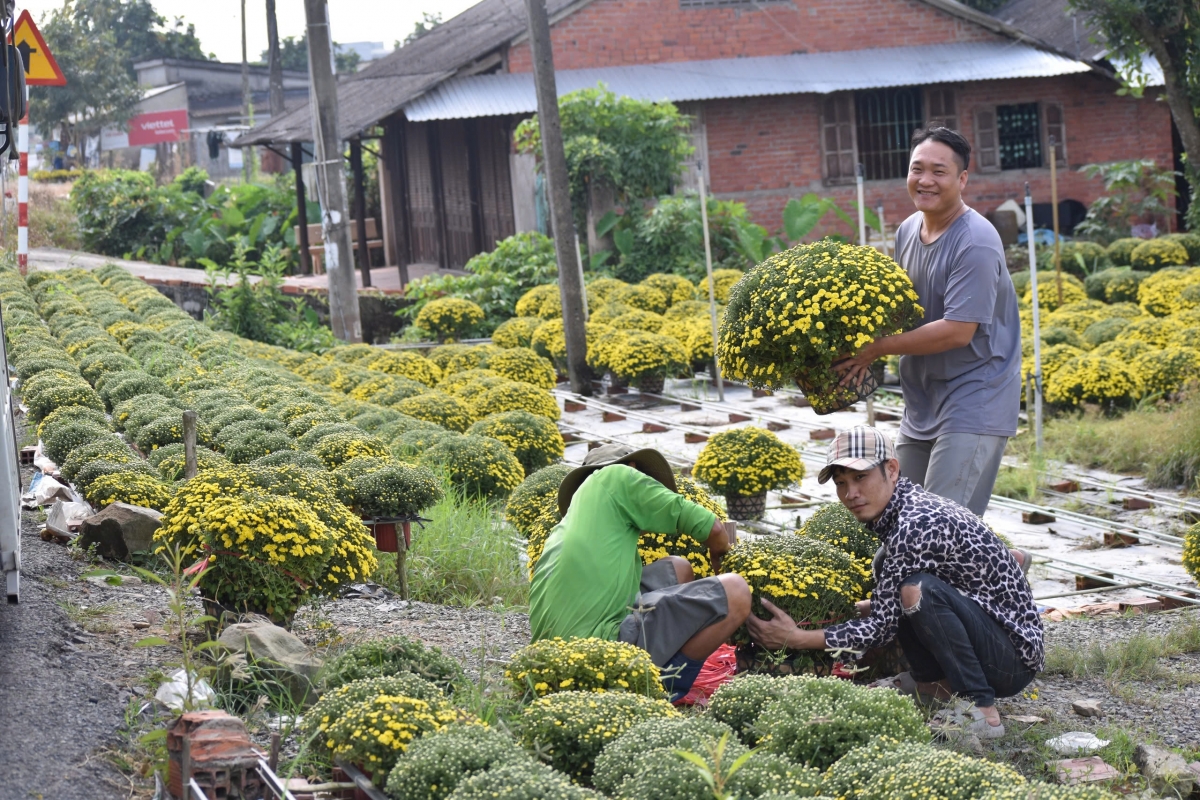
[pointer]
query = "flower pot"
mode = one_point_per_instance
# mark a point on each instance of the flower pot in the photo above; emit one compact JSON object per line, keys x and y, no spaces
{"x":385,"y":536}
{"x":651,"y":384}
{"x":743,"y":507}
{"x":755,"y":658}
{"x":617,"y":384}
{"x":825,"y":393}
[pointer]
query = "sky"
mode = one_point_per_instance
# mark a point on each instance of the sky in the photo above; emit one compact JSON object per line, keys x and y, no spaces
{"x":218,"y":22}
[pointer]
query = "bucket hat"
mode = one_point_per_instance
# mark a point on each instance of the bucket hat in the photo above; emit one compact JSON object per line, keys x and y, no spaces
{"x":649,"y":461}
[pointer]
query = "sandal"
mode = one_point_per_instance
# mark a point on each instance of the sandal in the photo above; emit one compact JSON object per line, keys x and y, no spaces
{"x":905,"y":684}
{"x":1026,"y":561}
{"x":964,"y":719}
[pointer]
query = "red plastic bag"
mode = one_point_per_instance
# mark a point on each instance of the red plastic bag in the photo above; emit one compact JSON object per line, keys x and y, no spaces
{"x":719,"y":668}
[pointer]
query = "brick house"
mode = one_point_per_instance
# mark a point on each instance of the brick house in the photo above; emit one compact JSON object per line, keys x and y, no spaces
{"x":788,"y":96}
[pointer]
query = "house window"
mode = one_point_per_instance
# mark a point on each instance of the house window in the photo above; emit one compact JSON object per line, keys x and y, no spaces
{"x":885,"y":122}
{"x":1018,"y":136}
{"x":940,"y":108}
{"x":837,"y":138}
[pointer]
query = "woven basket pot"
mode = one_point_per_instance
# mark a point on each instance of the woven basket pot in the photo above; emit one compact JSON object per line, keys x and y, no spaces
{"x":651,"y":384}
{"x":755,"y":658}
{"x":825,"y":393}
{"x":742,"y":507}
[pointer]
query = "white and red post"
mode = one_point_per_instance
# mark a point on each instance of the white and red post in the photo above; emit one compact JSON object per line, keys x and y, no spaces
{"x":23,"y":190}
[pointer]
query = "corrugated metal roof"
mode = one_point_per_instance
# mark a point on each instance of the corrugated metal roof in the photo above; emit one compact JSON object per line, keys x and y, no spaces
{"x":820,"y":73}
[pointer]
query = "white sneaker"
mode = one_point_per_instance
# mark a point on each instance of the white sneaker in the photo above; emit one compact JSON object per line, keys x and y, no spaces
{"x":964,"y":719}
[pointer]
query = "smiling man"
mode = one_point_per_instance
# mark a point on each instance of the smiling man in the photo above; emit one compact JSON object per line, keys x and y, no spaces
{"x":960,"y":370}
{"x":946,"y":587}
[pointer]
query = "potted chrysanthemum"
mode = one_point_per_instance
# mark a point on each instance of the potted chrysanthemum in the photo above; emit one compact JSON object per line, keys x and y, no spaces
{"x":744,"y":464}
{"x":800,"y":311}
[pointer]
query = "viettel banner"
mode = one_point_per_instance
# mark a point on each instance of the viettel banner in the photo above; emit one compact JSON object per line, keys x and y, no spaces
{"x":157,"y":127}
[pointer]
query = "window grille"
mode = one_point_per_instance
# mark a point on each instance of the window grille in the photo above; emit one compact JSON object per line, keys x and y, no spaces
{"x":1019,"y":136}
{"x":886,"y":119}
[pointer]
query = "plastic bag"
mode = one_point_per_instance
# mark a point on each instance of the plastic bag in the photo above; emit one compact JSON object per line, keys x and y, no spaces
{"x":719,"y":668}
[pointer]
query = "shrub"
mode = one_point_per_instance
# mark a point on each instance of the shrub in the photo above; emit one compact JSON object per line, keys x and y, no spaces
{"x":834,"y":524}
{"x":515,"y":396}
{"x":583,"y":665}
{"x":436,"y":763}
{"x":256,"y":443}
{"x":522,"y":364}
{"x":387,"y":390}
{"x":1120,"y":252}
{"x":636,"y":320}
{"x":173,"y":466}
{"x":616,"y":762}
{"x":1103,"y":331}
{"x":724,"y":280}
{"x":520,"y":781}
{"x":941,"y":774}
{"x":336,"y":702}
{"x":338,"y":448}
{"x":1190,"y":242}
{"x":476,"y":357}
{"x":111,"y":449}
{"x":306,"y":422}
{"x":1167,"y":371}
{"x":1161,"y":293}
{"x":318,"y":432}
{"x":740,"y":702}
{"x":295,"y":458}
{"x":1093,"y":379}
{"x":134,"y":488}
{"x":569,"y":729}
{"x":747,"y":462}
{"x":1072,"y":290}
{"x":478,"y":466}
{"x":449,"y":318}
{"x":163,"y":430}
{"x":1151,"y":330}
{"x":408,"y":365}
{"x":851,"y":773}
{"x":695,"y":334}
{"x":459,"y":382}
{"x":784,"y":320}
{"x":60,"y":439}
{"x":1094,"y":257}
{"x":96,"y":468}
{"x":639,"y":356}
{"x":515,"y":332}
{"x":398,"y":490}
{"x":641,"y":297}
{"x":375,"y":732}
{"x":1047,"y":791}
{"x":440,"y":408}
{"x":1115,"y":285}
{"x":415,"y":442}
{"x":676,"y":288}
{"x":127,"y":385}
{"x":28,"y":367}
{"x":537,"y":494}
{"x":42,"y":399}
{"x":548,"y":339}
{"x":823,"y":719}
{"x":534,"y":440}
{"x":540,"y":301}
{"x":1155,"y":254}
{"x":1191,"y":552}
{"x":816,"y":583}
{"x":388,"y":656}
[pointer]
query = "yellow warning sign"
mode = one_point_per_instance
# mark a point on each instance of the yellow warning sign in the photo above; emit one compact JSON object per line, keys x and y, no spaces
{"x":40,"y":67}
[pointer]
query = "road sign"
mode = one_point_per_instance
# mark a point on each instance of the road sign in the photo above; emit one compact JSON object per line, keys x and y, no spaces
{"x":40,"y":67}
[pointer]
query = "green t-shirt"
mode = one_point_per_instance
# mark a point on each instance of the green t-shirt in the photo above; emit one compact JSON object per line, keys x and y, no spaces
{"x":590,"y":572}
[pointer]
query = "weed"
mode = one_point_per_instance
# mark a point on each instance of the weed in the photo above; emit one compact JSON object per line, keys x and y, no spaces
{"x":1136,"y":658}
{"x":1023,"y":482}
{"x":87,"y":617}
{"x":465,"y":557}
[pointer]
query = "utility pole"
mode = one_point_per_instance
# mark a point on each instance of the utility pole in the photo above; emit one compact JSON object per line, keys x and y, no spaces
{"x":274,"y":62}
{"x":247,"y":113}
{"x":331,"y":187}
{"x":570,"y":281}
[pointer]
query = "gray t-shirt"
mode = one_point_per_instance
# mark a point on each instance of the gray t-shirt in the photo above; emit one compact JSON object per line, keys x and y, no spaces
{"x":962,"y":277}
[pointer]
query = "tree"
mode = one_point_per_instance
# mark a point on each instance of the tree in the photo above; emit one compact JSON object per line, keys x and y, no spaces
{"x":427,"y":23}
{"x":141,"y":33}
{"x":1169,"y":30}
{"x":293,"y":54}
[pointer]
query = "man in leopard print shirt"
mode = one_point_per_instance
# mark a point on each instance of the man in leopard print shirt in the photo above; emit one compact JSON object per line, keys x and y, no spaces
{"x":947,"y":587}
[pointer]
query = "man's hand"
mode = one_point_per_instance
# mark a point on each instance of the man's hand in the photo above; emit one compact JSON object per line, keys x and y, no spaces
{"x":863,"y":608}
{"x":854,"y":368}
{"x":718,"y":544}
{"x":775,"y":633}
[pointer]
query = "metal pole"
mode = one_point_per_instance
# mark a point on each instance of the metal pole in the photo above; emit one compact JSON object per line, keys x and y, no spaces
{"x":555,"y":161}
{"x":1054,"y":214}
{"x":882,"y":229}
{"x":247,"y":163}
{"x":1037,"y":329}
{"x":22,"y":187}
{"x":331,"y":188}
{"x":579,"y":261}
{"x":712,"y":285}
{"x":862,"y":209}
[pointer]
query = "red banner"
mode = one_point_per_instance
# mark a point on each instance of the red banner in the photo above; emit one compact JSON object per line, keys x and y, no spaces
{"x":158,"y":126}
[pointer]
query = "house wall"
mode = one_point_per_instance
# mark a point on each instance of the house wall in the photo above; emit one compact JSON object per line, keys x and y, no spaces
{"x":763,"y":151}
{"x":617,"y":32}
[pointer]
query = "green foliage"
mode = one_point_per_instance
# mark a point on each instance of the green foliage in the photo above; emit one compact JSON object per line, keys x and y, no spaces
{"x":533,"y":439}
{"x":824,"y":719}
{"x":521,"y":781}
{"x":739,"y":702}
{"x":1083,"y":258}
{"x":389,"y":656}
{"x":1114,"y":285}
{"x":850,"y":774}
{"x":435,"y":764}
{"x":670,"y":238}
{"x":834,"y":524}
{"x":569,"y":729}
{"x":60,"y":440}
{"x":616,"y":762}
{"x":336,"y":702}
{"x":1154,"y":254}
{"x":536,"y":494}
{"x":398,"y":490}
{"x":584,"y":665}
{"x":941,"y":774}
{"x":1134,"y":190}
{"x":635,"y":146}
{"x":478,"y":466}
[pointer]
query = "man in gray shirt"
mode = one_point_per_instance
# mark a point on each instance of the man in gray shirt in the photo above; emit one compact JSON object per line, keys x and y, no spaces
{"x":960,"y":369}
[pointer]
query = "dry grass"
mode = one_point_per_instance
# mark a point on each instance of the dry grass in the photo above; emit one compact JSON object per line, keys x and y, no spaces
{"x":1137,"y":658}
{"x":51,"y":221}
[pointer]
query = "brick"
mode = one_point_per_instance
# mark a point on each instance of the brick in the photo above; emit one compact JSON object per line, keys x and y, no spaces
{"x":886,"y":416}
{"x":572,"y":406}
{"x":1036,"y":518}
{"x":778,"y":426}
{"x":822,"y":434}
{"x":761,"y":393}
{"x":739,"y":418}
{"x":1141,"y":605}
{"x":568,"y":438}
{"x":688,"y":407}
{"x":1083,"y":582}
{"x":1083,"y":770}
{"x":1120,"y":539}
{"x":1135,"y":504}
{"x":1170,"y":603}
{"x":612,"y":416}
{"x":694,"y":438}
{"x":799,"y":401}
{"x":1066,"y":487}
{"x":650,"y":427}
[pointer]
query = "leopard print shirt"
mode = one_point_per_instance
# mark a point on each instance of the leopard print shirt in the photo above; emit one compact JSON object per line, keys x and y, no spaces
{"x":927,"y":533}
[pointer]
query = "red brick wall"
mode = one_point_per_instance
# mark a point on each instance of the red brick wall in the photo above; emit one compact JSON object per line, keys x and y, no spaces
{"x":765,"y":150}
{"x":618,"y":32}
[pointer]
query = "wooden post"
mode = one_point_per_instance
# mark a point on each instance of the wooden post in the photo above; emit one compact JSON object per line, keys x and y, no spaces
{"x":360,"y":211}
{"x":274,"y":62}
{"x":190,"y":467}
{"x":301,"y":209}
{"x":344,"y":314}
{"x":1054,"y":214}
{"x":247,"y":113}
{"x":402,"y":563}
{"x":555,"y":160}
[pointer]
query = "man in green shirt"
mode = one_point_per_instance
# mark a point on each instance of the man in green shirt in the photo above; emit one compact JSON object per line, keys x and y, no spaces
{"x":590,"y":582}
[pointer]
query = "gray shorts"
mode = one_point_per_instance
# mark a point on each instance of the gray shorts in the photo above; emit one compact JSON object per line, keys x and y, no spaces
{"x":957,"y":466}
{"x":668,"y":613}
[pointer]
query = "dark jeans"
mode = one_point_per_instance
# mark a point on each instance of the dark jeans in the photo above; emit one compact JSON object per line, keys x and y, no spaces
{"x":949,"y":636}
